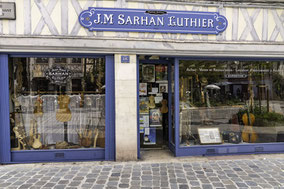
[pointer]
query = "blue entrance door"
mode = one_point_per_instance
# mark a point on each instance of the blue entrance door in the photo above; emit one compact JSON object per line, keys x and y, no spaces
{"x":156,"y":91}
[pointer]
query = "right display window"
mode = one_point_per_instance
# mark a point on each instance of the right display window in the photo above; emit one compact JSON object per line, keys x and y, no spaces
{"x":231,"y":102}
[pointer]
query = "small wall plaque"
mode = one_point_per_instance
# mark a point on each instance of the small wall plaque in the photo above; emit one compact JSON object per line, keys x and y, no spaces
{"x":7,"y":11}
{"x":125,"y":59}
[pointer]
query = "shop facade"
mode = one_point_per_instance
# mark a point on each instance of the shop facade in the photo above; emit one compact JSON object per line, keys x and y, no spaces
{"x":78,"y":92}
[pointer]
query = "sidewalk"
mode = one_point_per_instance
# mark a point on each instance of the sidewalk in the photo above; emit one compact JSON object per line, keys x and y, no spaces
{"x":157,"y":169}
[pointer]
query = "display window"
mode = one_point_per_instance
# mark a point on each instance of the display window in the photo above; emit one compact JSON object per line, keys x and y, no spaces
{"x":57,"y":103}
{"x":230,"y":102}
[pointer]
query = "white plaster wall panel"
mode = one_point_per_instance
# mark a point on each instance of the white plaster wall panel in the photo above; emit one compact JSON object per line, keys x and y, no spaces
{"x":126,"y":108}
{"x":20,"y":19}
{"x":229,"y":17}
{"x":258,"y":24}
{"x":5,"y":27}
{"x":272,"y":25}
{"x":127,"y":105}
{"x":35,"y":16}
{"x":280,"y":17}
{"x":126,"y":131}
{"x":56,"y":16}
{"x":128,"y":70}
{"x":125,"y":88}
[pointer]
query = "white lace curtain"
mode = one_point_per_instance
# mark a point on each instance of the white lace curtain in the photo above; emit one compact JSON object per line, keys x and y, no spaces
{"x":51,"y":130}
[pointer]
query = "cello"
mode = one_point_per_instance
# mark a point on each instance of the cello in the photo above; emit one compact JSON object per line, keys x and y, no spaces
{"x":248,"y":133}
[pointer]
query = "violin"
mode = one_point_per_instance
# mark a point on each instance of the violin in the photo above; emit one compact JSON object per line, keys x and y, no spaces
{"x":164,"y":108}
{"x":152,"y":102}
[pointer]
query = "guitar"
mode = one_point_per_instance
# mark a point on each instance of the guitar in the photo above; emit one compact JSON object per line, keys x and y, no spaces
{"x":151,"y":102}
{"x":36,"y":137}
{"x":63,"y":114}
{"x":164,"y":108}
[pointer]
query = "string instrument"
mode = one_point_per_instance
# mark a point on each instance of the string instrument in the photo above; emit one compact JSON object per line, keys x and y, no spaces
{"x":19,"y":128}
{"x":86,"y":137}
{"x":164,"y":108}
{"x":82,"y":98}
{"x":36,"y":136}
{"x":31,"y":133}
{"x":37,"y":71}
{"x":96,"y":132}
{"x":248,"y":134}
{"x":38,"y":109}
{"x":63,"y":114}
{"x":152,"y":102}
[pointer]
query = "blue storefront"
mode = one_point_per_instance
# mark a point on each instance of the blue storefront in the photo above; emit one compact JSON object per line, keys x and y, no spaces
{"x":59,"y":100}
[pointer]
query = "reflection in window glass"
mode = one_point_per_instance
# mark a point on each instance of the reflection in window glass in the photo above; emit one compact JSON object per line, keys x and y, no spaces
{"x":231,"y":102}
{"x":57,"y":103}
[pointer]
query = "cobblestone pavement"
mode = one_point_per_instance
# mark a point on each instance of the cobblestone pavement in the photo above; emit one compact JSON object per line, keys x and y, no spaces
{"x":227,"y":173}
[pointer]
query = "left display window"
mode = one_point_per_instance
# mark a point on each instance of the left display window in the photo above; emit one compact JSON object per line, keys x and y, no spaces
{"x":57,"y":103}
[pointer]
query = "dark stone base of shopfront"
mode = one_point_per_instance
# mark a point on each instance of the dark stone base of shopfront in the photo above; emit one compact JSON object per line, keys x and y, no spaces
{"x":206,"y":174}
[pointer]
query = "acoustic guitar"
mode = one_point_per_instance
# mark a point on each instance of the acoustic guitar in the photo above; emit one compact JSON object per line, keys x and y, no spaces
{"x":63,"y":114}
{"x":36,"y":137}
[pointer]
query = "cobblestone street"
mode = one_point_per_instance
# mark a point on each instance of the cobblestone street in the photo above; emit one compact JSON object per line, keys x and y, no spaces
{"x":266,"y":171}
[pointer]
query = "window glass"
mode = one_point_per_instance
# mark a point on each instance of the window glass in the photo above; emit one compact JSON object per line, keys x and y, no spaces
{"x":231,"y":102}
{"x":57,"y":103}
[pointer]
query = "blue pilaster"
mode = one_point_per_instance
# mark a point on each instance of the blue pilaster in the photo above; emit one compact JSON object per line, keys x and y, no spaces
{"x":110,"y":110}
{"x":176,"y":105}
{"x":5,"y":151}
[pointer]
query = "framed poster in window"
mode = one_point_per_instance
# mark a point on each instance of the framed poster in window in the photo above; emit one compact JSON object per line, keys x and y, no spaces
{"x":148,"y":73}
{"x":142,"y":89}
{"x":209,"y":136}
{"x":149,"y":136}
{"x":155,"y":118}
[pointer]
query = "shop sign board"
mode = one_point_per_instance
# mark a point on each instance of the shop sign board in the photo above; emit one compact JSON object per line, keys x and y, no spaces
{"x":235,"y":76}
{"x":58,"y":75}
{"x":7,"y":11}
{"x":142,"y":20}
